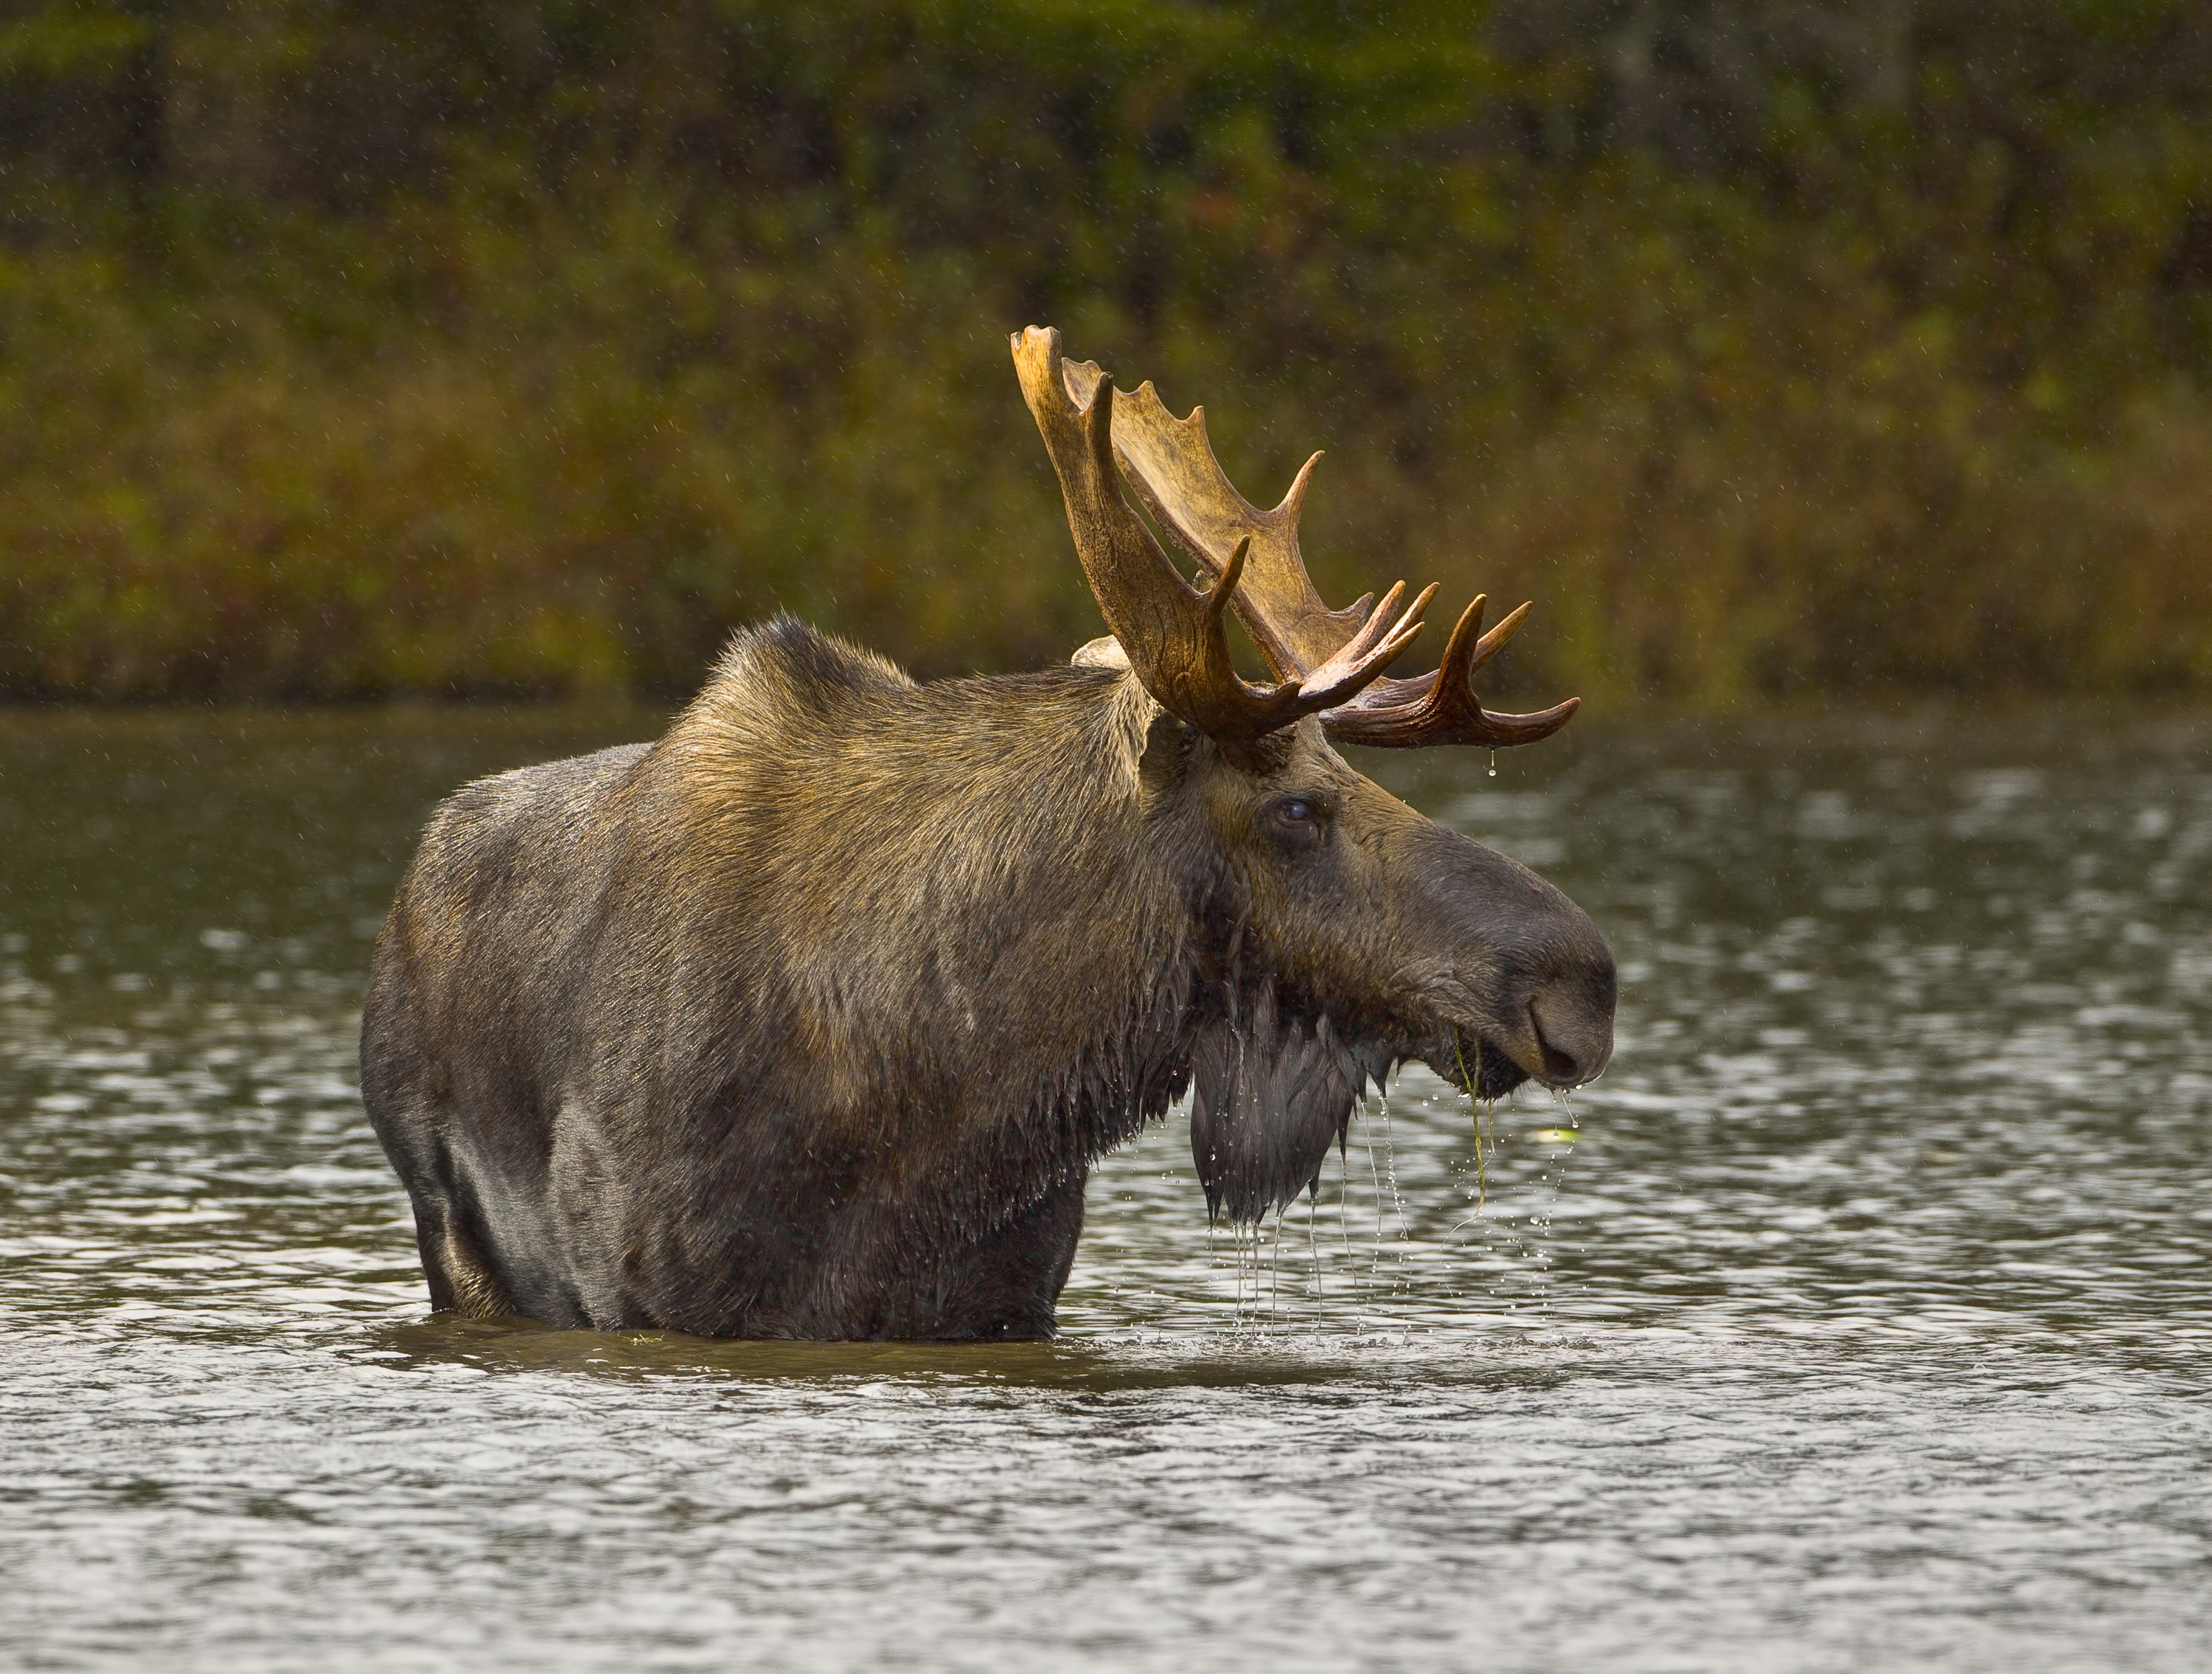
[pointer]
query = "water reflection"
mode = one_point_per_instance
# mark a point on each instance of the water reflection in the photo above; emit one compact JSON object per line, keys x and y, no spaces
{"x":1163,"y":1360}
{"x":1863,"y":1318}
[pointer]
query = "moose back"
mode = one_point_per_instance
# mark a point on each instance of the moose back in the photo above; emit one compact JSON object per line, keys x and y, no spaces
{"x":809,"y":1020}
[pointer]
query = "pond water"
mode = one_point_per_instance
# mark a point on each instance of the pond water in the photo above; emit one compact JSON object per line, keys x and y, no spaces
{"x":1857,"y":1319}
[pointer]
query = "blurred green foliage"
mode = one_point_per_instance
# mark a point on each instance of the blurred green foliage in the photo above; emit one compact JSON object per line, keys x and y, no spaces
{"x":350,"y":349}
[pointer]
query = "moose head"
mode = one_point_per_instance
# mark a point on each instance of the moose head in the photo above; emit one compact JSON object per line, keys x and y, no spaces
{"x":1354,"y":932}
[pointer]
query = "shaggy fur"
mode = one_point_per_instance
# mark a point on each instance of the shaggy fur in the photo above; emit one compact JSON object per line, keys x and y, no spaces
{"x":809,"y":1020}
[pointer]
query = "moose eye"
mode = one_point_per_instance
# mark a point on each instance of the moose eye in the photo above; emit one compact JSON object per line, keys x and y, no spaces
{"x":1297,"y":818}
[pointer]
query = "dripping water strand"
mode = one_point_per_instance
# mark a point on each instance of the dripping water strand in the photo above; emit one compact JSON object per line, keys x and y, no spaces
{"x":1555,"y":1178}
{"x":1248,"y":1240}
{"x":1313,"y":1247}
{"x":1213,"y":1246}
{"x":1244,"y":1274}
{"x":1236,"y":1277}
{"x":1375,"y":1175}
{"x":1390,"y":1172}
{"x":1276,"y":1269}
{"x":1344,"y":1206}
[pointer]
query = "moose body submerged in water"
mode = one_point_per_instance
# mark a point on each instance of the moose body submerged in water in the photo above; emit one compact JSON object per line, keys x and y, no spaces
{"x":810,"y":1019}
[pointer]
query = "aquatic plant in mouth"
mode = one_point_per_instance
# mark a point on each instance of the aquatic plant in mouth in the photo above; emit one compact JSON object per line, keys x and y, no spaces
{"x":1478,"y":1109}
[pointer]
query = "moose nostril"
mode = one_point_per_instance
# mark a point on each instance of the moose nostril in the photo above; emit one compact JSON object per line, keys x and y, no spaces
{"x":1576,"y":1040}
{"x":1558,"y":1066}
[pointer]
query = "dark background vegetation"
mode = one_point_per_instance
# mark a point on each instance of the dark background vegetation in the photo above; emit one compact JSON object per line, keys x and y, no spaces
{"x":358,"y":347}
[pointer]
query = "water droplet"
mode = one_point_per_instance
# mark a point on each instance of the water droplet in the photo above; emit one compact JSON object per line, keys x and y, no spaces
{"x":1493,"y":764}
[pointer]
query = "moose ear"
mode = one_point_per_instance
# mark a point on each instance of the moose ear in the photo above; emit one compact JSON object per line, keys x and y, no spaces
{"x":1270,"y":1095}
{"x":1104,"y":652}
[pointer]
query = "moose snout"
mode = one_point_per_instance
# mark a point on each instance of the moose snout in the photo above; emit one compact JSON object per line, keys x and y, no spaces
{"x":1523,"y":970}
{"x":1570,"y":1006}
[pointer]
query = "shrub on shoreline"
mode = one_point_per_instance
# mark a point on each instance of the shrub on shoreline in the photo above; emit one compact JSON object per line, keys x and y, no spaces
{"x":1912,"y":395}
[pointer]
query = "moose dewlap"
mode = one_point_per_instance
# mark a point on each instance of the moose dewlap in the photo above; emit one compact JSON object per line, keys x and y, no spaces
{"x":810,"y":1019}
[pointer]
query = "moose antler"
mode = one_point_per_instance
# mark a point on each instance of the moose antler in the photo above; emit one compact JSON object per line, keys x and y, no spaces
{"x":1170,"y":463}
{"x":1174,"y":634}
{"x":1441,"y":707}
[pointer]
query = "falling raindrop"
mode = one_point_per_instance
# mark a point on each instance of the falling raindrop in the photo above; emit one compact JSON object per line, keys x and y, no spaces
{"x":1493,"y":764}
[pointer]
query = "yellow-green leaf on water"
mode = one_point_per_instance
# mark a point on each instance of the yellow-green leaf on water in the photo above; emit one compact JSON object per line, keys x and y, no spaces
{"x":1556,"y":1135}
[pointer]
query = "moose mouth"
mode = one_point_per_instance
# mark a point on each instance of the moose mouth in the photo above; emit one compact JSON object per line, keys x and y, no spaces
{"x":1555,"y":1028}
{"x":1554,"y":1045}
{"x":1473,"y":1062}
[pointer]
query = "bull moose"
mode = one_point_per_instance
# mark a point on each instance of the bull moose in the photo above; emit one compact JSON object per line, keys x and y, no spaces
{"x":809,"y":1020}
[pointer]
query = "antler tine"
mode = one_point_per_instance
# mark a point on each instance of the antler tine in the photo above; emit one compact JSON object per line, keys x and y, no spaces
{"x":1174,"y":636}
{"x":1441,"y":708}
{"x":1374,"y":646}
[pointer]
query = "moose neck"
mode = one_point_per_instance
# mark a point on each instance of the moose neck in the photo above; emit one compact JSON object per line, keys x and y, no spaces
{"x":960,"y":896}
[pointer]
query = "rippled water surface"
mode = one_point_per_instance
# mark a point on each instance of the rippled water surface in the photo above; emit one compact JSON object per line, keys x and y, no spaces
{"x":1865,"y":1324}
